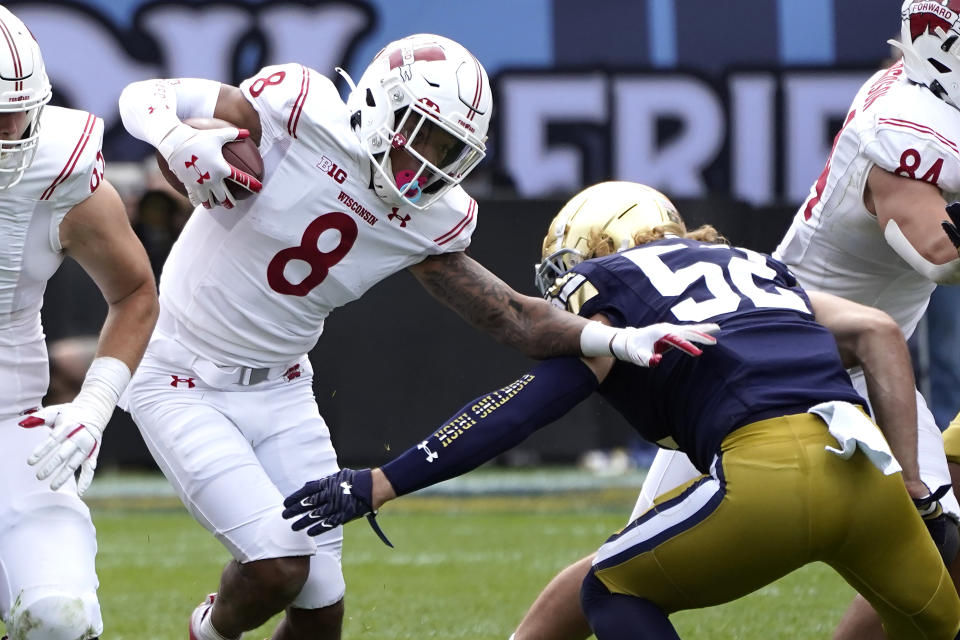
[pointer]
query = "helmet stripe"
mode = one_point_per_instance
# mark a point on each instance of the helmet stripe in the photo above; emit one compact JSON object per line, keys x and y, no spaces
{"x":477,"y":92}
{"x":17,"y":68}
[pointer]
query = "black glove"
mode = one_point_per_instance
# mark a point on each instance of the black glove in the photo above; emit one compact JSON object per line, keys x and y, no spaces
{"x":952,"y":228}
{"x":332,"y":501}
{"x":942,"y":528}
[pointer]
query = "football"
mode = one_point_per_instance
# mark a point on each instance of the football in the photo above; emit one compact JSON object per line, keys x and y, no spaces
{"x":243,"y":154}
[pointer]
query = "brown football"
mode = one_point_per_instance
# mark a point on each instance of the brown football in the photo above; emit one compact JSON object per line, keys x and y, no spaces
{"x":243,"y":154}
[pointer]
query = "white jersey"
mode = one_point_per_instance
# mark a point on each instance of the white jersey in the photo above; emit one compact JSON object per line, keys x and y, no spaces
{"x":67,"y":168}
{"x":252,"y":285}
{"x":834,"y":244}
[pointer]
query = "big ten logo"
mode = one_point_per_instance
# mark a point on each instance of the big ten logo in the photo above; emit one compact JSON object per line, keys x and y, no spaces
{"x":330,"y":168}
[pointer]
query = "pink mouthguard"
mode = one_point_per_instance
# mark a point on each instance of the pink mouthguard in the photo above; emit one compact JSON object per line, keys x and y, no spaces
{"x":406,"y":185}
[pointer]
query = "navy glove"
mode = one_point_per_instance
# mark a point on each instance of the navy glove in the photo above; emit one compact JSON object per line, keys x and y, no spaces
{"x":952,"y":228}
{"x":942,"y":528}
{"x":332,"y":501}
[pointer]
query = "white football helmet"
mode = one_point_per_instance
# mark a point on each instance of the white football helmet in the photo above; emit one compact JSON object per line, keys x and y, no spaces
{"x":427,"y":96}
{"x":24,"y":87}
{"x":930,"y":42}
{"x":612,"y":212}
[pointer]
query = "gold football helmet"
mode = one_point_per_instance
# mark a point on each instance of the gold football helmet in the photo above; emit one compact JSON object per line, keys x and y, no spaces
{"x":601,"y":219}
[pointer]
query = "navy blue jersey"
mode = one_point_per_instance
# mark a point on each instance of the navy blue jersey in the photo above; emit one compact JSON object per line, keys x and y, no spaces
{"x":770,"y":359}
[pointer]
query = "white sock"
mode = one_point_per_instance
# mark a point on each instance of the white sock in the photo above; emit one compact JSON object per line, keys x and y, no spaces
{"x":209,"y":632}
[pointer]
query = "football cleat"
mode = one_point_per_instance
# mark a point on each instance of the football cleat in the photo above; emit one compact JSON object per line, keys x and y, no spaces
{"x":202,"y":611}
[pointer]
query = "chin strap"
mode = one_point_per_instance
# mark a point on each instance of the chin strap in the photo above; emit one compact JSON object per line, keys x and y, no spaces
{"x":346,"y":77}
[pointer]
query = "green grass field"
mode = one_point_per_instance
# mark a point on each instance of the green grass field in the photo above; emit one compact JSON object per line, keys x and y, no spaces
{"x":463,"y":567}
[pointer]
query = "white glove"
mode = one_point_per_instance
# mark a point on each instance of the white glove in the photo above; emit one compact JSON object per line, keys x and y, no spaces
{"x":644,"y":346}
{"x":195,"y":156}
{"x":74,"y":442}
{"x":77,"y":427}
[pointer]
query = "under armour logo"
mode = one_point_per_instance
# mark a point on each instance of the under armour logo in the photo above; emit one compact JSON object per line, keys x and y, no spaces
{"x":346,"y":486}
{"x":403,"y":219}
{"x":399,"y":141}
{"x":193,"y":163}
{"x":292,"y":372}
{"x":431,"y":455}
{"x":177,"y":380}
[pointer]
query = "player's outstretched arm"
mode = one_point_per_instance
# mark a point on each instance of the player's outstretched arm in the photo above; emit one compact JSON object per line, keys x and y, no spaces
{"x":97,"y":234}
{"x":911,"y":214}
{"x":151,"y":110}
{"x":871,"y":339}
{"x":476,"y":433}
{"x":536,"y":327}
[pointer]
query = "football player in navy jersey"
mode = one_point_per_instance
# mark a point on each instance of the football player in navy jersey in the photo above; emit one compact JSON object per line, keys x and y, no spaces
{"x":793,"y":469}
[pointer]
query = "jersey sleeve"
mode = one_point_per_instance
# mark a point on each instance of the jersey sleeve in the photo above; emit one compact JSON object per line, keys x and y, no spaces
{"x":458,"y":211}
{"x":786,"y":279}
{"x":78,"y":153}
{"x":915,"y":147}
{"x":279,"y":92}
{"x":82,"y":163}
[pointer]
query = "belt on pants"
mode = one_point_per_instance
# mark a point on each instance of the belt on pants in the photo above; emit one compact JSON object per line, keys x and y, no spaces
{"x":213,"y":374}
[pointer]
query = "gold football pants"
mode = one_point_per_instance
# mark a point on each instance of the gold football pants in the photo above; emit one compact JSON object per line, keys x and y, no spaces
{"x":776,"y":500}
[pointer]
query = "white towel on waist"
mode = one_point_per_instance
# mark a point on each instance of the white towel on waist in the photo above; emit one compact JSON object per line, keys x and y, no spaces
{"x":854,"y":430}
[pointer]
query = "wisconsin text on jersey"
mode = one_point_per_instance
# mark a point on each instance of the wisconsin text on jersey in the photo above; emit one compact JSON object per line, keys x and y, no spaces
{"x":357,"y":208}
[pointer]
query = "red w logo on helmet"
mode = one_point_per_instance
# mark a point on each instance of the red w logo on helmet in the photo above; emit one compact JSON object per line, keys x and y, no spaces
{"x":927,"y":15}
{"x":428,"y":54}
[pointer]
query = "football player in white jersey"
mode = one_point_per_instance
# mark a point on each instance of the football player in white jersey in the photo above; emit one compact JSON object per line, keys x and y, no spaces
{"x":870,"y":231}
{"x":351,"y":193}
{"x":54,"y":201}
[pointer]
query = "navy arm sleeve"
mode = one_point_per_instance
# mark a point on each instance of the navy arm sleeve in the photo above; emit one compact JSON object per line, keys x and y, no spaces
{"x":492,"y":424}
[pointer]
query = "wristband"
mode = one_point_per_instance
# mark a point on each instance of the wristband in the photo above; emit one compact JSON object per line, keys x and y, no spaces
{"x":105,"y":380}
{"x":179,"y":134}
{"x":596,"y":339}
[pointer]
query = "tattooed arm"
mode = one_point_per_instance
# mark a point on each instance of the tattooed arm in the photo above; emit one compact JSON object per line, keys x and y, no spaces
{"x":531,"y":325}
{"x":540,"y":330}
